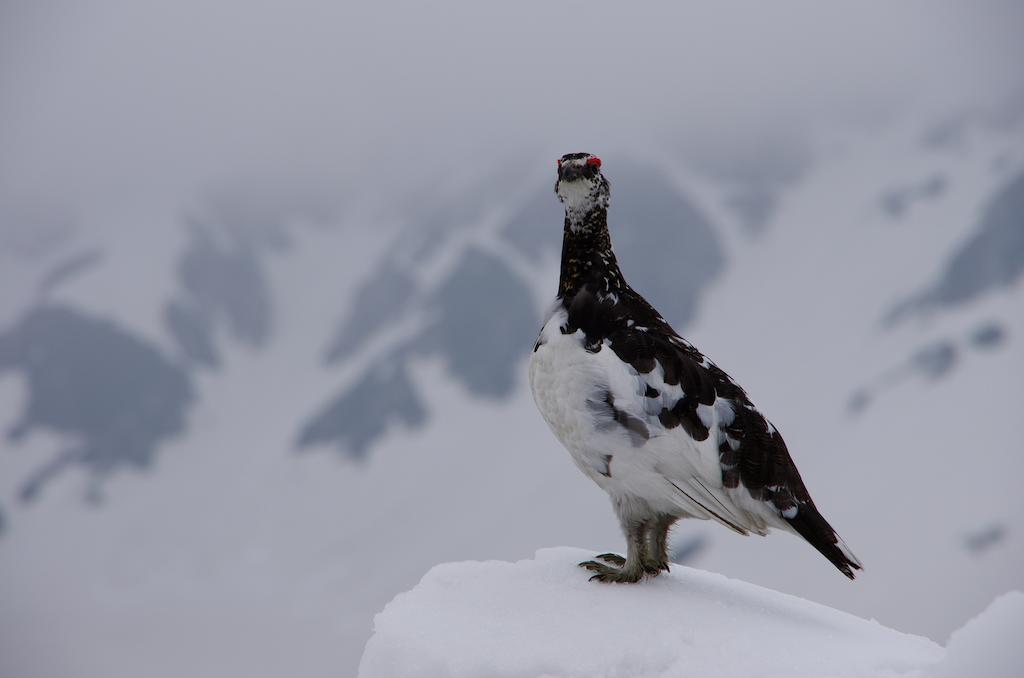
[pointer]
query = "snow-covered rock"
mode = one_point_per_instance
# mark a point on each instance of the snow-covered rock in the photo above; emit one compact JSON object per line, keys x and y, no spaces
{"x":542,"y":617}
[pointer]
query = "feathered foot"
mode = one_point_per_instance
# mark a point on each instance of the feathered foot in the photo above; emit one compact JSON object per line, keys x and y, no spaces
{"x":609,"y":574}
{"x":656,"y":555}
{"x":635,"y":566}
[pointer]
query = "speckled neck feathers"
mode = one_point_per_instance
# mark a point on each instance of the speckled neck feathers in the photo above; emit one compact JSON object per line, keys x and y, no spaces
{"x":587,"y":257}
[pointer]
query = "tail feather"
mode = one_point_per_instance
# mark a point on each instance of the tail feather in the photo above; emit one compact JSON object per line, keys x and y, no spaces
{"x":813,"y":527}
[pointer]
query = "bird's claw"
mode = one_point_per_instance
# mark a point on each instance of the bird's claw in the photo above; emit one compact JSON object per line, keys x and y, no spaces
{"x":595,"y":566}
{"x":655,"y":567}
{"x":613,"y":558}
{"x":608,"y":575}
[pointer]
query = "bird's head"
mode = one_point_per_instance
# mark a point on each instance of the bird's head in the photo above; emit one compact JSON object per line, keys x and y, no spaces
{"x":581,"y":187}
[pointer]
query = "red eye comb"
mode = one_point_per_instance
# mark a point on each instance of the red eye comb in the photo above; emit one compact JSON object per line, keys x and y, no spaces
{"x":594,"y":160}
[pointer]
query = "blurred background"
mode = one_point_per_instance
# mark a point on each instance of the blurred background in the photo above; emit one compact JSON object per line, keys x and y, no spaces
{"x":270,"y":273}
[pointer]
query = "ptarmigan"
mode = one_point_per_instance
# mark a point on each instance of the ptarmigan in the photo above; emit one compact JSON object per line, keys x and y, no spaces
{"x":662,"y":429}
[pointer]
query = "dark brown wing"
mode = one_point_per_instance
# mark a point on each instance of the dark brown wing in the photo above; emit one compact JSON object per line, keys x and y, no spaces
{"x":751,"y":451}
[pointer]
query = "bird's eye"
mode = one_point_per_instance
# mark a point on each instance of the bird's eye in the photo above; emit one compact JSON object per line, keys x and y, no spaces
{"x":559,"y":161}
{"x":594,"y":160}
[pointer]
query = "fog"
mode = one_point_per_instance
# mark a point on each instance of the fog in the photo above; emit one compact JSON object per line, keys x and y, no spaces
{"x":270,"y":273}
{"x":106,"y":102}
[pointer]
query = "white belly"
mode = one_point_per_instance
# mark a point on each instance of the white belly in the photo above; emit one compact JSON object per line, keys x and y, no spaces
{"x":562,"y":378}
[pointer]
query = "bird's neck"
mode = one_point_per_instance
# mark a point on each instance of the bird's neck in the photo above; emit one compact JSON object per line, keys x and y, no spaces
{"x":587,"y":257}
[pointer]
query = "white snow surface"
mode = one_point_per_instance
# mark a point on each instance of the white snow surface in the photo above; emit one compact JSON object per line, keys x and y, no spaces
{"x":542,"y":617}
{"x":989,"y":645}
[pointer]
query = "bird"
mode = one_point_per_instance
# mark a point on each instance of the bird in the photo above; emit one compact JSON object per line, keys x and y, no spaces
{"x":646,"y":416}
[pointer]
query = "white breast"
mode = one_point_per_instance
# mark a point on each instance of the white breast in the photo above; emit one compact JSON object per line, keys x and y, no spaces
{"x":563,"y":375}
{"x":570,"y":385}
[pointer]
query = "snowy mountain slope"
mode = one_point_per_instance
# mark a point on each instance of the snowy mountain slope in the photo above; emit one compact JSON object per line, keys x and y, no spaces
{"x":205,"y":546}
{"x":911,"y":476}
{"x":988,"y":260}
{"x":117,"y":379}
{"x":542,"y":617}
{"x":449,"y":286}
{"x":255,"y":559}
{"x":90,"y":379}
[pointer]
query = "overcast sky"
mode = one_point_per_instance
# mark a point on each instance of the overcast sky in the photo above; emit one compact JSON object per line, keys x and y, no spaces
{"x":100,"y":100}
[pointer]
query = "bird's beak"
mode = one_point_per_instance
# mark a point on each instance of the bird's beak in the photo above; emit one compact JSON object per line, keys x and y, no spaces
{"x":570,"y":172}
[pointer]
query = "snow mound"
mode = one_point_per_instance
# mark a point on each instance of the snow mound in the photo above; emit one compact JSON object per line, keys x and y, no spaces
{"x":542,"y":617}
{"x":989,"y":646}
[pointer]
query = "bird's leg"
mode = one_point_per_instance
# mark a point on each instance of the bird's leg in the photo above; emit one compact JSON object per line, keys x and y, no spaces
{"x":629,"y":570}
{"x":657,"y":544}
